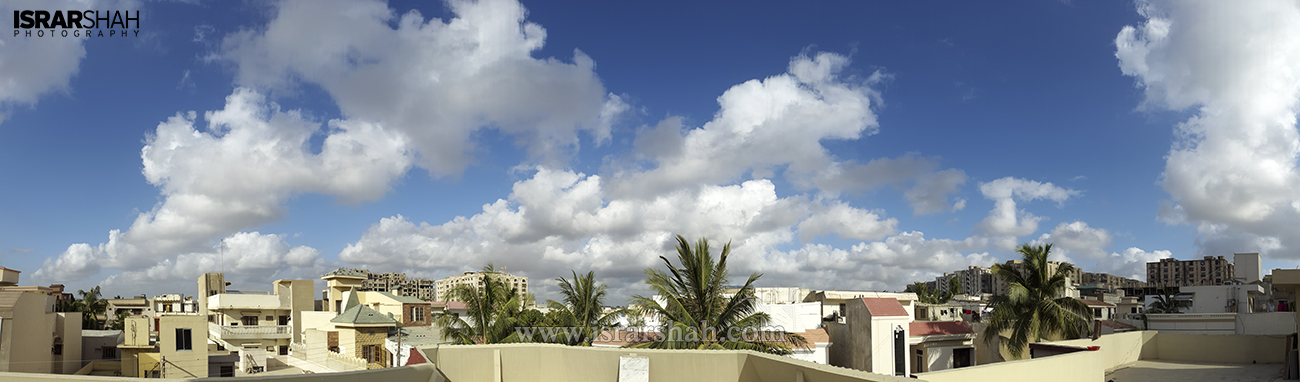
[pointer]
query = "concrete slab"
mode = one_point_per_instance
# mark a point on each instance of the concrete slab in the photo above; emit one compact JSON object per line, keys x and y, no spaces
{"x":1161,"y":371}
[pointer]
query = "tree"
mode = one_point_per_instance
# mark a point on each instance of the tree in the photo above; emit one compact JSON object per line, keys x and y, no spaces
{"x":92,"y":307}
{"x":1167,"y":302}
{"x":1035,"y":305}
{"x":583,"y":308}
{"x":494,"y":309}
{"x":696,"y":315}
{"x":927,"y":296}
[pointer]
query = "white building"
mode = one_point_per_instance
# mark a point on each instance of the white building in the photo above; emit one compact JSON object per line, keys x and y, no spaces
{"x":475,"y":279}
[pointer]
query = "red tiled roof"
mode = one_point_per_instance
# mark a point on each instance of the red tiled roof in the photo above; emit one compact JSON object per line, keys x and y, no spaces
{"x":1096,"y":303}
{"x":415,"y":358}
{"x":936,"y":328}
{"x":884,"y":307}
{"x":1117,"y":325}
{"x":457,"y":305}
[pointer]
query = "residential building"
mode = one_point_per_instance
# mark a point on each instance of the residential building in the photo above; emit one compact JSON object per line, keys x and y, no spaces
{"x":475,"y":279}
{"x":395,"y":283}
{"x":1000,"y":286}
{"x":33,"y":337}
{"x":938,"y":312}
{"x":973,"y":280}
{"x":183,"y":346}
{"x":1109,"y":281}
{"x":138,"y":306}
{"x":255,"y":324}
{"x":873,"y":337}
{"x":173,"y":303}
{"x":940,"y":345}
{"x":1207,"y":271}
{"x":1101,"y":310}
{"x":362,"y":332}
{"x":100,"y":345}
{"x":833,"y":302}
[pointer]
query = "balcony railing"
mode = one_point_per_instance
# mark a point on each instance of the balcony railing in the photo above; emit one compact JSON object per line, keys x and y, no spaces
{"x":228,"y":332}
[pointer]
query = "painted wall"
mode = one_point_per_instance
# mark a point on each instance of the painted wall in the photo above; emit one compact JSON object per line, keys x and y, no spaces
{"x":25,"y":340}
{"x":177,"y":362}
{"x":548,"y":362}
{"x":417,"y":373}
{"x":1084,"y":366}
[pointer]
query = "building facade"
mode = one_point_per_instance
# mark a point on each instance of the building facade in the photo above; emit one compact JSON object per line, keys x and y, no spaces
{"x":475,"y":279}
{"x":1109,"y":281}
{"x":1173,"y":272}
{"x":397,"y":283}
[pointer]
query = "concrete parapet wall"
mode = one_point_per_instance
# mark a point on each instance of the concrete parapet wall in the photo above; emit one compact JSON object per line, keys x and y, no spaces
{"x":548,"y":362}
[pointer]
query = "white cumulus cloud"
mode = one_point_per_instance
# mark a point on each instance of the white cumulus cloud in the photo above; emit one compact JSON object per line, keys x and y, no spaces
{"x":1232,"y":166}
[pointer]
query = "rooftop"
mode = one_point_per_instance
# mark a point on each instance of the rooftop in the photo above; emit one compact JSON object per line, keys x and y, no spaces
{"x":938,"y":328}
{"x":362,"y":315}
{"x":884,"y":307}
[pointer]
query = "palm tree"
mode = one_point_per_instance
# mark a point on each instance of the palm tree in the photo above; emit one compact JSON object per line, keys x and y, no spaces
{"x":1035,"y":305}
{"x":494,"y":309}
{"x":927,"y":296}
{"x":92,"y":307}
{"x":583,"y":308}
{"x":1167,"y":302}
{"x":697,"y":316}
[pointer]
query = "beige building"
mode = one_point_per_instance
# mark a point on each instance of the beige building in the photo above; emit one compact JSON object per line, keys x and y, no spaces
{"x":475,"y":279}
{"x":835,"y":302}
{"x":1173,"y":272}
{"x":256,"y":324}
{"x":33,"y":337}
{"x":183,"y":346}
{"x":361,"y":332}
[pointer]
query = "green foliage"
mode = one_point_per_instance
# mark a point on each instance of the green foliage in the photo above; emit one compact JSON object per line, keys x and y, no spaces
{"x":1035,"y":305}
{"x":697,"y":316}
{"x":928,"y":296}
{"x":494,"y":310}
{"x":583,"y":308}
{"x":92,"y":307}
{"x":1167,"y":302}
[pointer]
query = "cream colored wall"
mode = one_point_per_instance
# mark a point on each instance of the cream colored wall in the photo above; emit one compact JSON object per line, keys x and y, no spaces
{"x":548,"y":362}
{"x":187,"y":363}
{"x":1226,"y":349}
{"x":347,"y":341}
{"x":318,"y":320}
{"x":1084,"y":366}
{"x":417,"y":373}
{"x":882,"y":344}
{"x":26,"y":333}
{"x":1122,"y":348}
{"x":68,"y":327}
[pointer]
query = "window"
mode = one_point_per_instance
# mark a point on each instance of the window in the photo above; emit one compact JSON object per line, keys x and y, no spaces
{"x":1096,"y":312}
{"x":270,"y":318}
{"x":250,"y":321}
{"x":372,"y":353}
{"x":58,"y":349}
{"x":184,"y":338}
{"x":108,"y":352}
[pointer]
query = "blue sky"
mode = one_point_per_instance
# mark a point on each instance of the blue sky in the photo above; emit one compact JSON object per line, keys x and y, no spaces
{"x":846,"y":145}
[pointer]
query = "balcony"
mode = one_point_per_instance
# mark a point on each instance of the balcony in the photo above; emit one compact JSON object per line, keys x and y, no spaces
{"x":227,"y":332}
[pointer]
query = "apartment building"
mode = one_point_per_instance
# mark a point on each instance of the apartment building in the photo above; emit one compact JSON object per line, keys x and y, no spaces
{"x":33,"y":337}
{"x":1000,"y":286}
{"x":1210,"y":270}
{"x":974,"y":280}
{"x":475,"y":279}
{"x":1109,"y":281}
{"x":255,"y":323}
{"x":396,"y":283}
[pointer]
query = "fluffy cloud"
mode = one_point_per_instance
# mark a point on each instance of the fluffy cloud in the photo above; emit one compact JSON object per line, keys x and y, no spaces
{"x":1005,"y":222}
{"x":1232,"y":167}
{"x":560,"y":220}
{"x":435,"y":81}
{"x":1132,"y":263}
{"x":248,"y":260}
{"x":1078,"y":239}
{"x":781,"y":121}
{"x":237,"y":173}
{"x":33,"y":66}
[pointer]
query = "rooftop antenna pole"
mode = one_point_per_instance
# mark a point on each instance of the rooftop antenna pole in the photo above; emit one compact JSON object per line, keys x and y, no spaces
{"x":223,"y":255}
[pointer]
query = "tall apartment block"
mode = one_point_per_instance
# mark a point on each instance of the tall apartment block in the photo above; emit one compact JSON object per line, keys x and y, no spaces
{"x":1173,"y":272}
{"x":387,"y":282}
{"x":475,"y":279}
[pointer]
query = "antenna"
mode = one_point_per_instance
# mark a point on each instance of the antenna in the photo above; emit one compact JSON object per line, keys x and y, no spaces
{"x":222,"y":250}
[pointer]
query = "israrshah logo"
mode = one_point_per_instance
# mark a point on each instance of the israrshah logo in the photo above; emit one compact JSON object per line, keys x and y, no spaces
{"x":88,"y":23}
